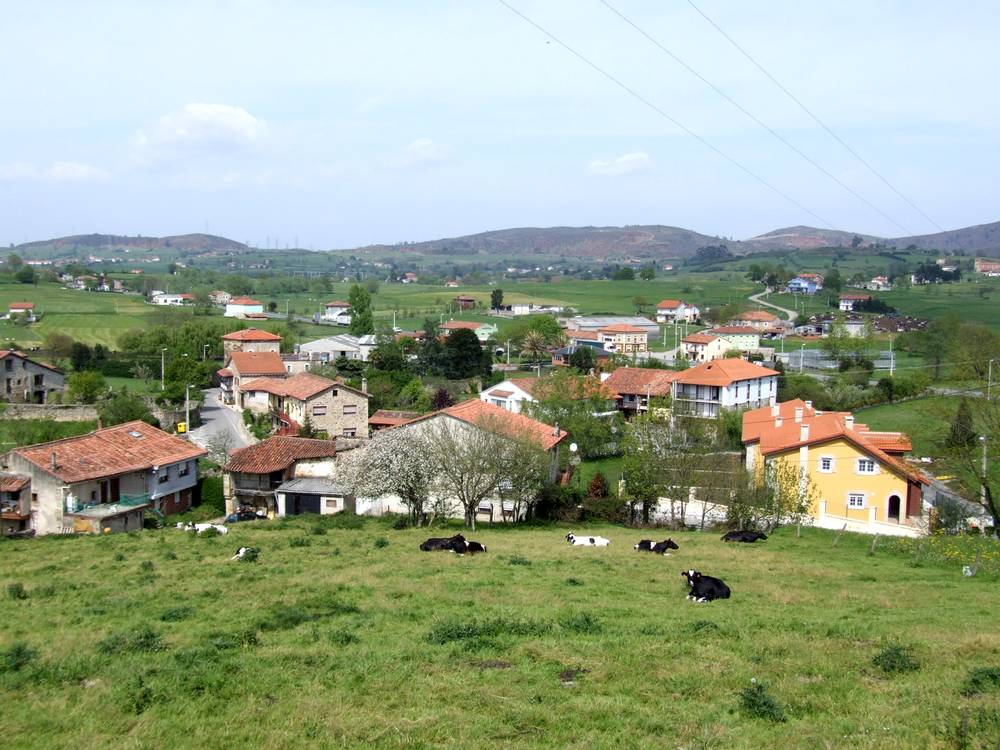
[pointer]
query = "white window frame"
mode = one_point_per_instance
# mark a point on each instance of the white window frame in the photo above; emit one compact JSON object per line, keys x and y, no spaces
{"x":350,"y":410}
{"x":833,"y":464}
{"x":874,"y":466}
{"x":864,"y":500}
{"x":319,"y":410}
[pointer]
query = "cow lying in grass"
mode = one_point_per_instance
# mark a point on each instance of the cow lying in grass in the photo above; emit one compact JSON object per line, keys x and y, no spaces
{"x":440,"y":544}
{"x":659,"y":548}
{"x":587,"y":541}
{"x":705,"y":588}
{"x":749,"y":537}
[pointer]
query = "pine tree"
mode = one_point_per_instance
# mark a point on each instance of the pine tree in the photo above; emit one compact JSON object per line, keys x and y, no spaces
{"x":962,"y":434}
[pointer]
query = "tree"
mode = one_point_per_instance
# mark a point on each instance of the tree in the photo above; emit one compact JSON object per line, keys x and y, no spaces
{"x":645,"y":446}
{"x":430,"y":354}
{"x":598,"y":486}
{"x":833,"y":281}
{"x":143,"y":372}
{"x":856,"y":241}
{"x":574,"y":403}
{"x":534,"y":348}
{"x":14,"y":262}
{"x":647,"y":273}
{"x":362,"y":320}
{"x":123,"y":406}
{"x":496,"y":299}
{"x":583,"y":359}
{"x":463,"y":354}
{"x":978,"y":465}
{"x":441,"y":399}
{"x":780,"y":492}
{"x":26,"y":275}
{"x":219,"y":446}
{"x":85,"y":387}
{"x":58,"y":345}
{"x":371,"y":285}
{"x":963,"y":434}
{"x":623,"y":274}
{"x":306,"y":430}
{"x":936,"y":341}
{"x":80,"y":356}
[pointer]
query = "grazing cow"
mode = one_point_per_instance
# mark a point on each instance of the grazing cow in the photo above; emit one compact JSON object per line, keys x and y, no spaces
{"x":744,"y":536}
{"x":587,"y":541}
{"x":443,"y":543}
{"x":474,"y":548}
{"x":660,"y":548}
{"x":705,"y":588}
{"x":241,"y":553}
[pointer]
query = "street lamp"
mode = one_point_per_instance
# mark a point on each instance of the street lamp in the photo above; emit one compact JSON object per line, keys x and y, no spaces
{"x":802,"y":356}
{"x":187,"y":408}
{"x":989,"y":380}
{"x":204,"y":352}
{"x":163,"y":367}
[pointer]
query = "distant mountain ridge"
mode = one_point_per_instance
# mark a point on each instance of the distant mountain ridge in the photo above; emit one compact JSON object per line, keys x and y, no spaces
{"x":652,"y":242}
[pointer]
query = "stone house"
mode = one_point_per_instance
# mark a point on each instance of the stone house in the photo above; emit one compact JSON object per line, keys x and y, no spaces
{"x":251,"y":340}
{"x":27,"y":380}
{"x":330,"y":406}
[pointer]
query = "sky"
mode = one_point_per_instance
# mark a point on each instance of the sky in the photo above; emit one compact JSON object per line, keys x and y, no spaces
{"x":325,"y":124}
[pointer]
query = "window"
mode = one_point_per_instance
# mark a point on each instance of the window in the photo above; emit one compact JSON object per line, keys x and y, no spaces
{"x":856,"y":500}
{"x":183,"y":469}
{"x":163,"y":476}
{"x":866,"y":466}
{"x":349,"y":432}
{"x":499,"y":402}
{"x":826,"y":464}
{"x":350,"y":410}
{"x":332,"y":503}
{"x":319,"y":410}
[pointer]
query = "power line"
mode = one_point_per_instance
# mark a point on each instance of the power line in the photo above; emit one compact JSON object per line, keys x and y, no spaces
{"x":756,"y":119}
{"x":663,"y":114}
{"x":815,"y":117}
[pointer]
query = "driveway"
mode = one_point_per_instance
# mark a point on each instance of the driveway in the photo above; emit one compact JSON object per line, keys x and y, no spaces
{"x":216,"y":418}
{"x":789,"y":314}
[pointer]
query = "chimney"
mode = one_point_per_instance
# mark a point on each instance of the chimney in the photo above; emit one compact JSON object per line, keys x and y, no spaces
{"x":55,"y":464}
{"x":804,"y":432}
{"x":364,"y":385}
{"x":555,"y":430}
{"x":775,"y":410}
{"x":809,"y":404}
{"x":778,"y":421}
{"x":849,"y":421}
{"x":798,"y":413}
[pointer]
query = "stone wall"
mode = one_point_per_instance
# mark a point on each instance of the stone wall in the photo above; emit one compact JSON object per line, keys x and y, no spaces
{"x":55,"y":412}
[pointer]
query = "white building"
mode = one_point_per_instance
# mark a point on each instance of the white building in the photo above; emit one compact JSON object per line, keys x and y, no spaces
{"x":176,"y":300}
{"x":337,"y":312}
{"x":704,"y":390}
{"x":344,"y":345}
{"x":239,"y":307}
{"x":510,"y":394}
{"x":676,"y":311}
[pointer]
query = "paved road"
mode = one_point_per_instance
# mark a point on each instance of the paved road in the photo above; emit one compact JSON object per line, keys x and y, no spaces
{"x":789,"y":314}
{"x":217,"y":418}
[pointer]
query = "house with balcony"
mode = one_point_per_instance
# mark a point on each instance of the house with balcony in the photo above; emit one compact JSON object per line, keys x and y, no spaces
{"x":330,"y":407}
{"x":337,"y":312}
{"x":244,"y":366}
{"x":107,"y":479}
{"x":26,"y":380}
{"x":254,"y":475}
{"x":623,"y":338}
{"x":705,"y":390}
{"x":15,"y":505}
{"x":802,"y":285}
{"x":857,"y":478}
{"x":741,"y":338}
{"x":633,"y":388}
{"x":703,"y":347}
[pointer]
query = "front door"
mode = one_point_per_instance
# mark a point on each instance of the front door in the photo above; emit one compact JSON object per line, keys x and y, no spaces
{"x":894,"y":508}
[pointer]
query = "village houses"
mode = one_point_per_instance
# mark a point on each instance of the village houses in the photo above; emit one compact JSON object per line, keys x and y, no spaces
{"x":633,"y":388}
{"x":329,"y":406}
{"x":241,"y":307}
{"x":703,"y":347}
{"x":623,"y":338}
{"x":337,"y":312}
{"x":705,"y":390}
{"x":676,"y":311}
{"x":849,"y":301}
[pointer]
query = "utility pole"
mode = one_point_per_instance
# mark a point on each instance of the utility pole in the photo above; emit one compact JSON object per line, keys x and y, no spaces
{"x":989,"y":381}
{"x":982,"y":488}
{"x":204,"y":352}
{"x":163,"y":368}
{"x":508,"y":352}
{"x":187,"y":409}
{"x":802,"y":356}
{"x":892,"y":359}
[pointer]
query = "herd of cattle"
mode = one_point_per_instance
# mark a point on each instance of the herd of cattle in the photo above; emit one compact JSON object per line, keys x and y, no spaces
{"x":702,"y":588}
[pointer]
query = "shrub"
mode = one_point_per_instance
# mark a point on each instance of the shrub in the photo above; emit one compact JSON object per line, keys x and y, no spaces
{"x":982,"y":679}
{"x":210,"y":533}
{"x":896,"y":659}
{"x":519,"y":560}
{"x":144,"y":639}
{"x":176,"y":614}
{"x":17,"y":591}
{"x":574,"y":582}
{"x":241,"y":638}
{"x":756,"y":702}
{"x":580,"y":622}
{"x":598,"y":486}
{"x":146,"y":566}
{"x":381,"y":542}
{"x":18,"y":656}
{"x":342,"y":638}
{"x":119,"y":557}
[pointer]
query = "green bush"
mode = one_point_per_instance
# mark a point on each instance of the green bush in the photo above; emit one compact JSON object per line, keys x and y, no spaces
{"x":981,"y":680}
{"x":519,"y":560}
{"x":18,"y":656}
{"x":381,"y":542}
{"x":756,"y":702}
{"x":896,"y":659}
{"x":17,"y":591}
{"x":300,"y":541}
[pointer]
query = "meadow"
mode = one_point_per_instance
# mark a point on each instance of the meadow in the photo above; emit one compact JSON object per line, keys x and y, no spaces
{"x":352,"y":637}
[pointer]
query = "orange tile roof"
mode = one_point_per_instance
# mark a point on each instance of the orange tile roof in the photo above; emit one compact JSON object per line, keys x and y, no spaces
{"x":856,"y":297}
{"x":391,"y":418}
{"x":742,"y":330}
{"x":500,"y":394}
{"x":723,"y":372}
{"x":891,"y":442}
{"x":583,"y":335}
{"x":21,"y":306}
{"x":278,"y":454}
{"x":243,"y":301}
{"x":256,"y":363}
{"x":759,"y":427}
{"x":13,"y":482}
{"x":302,"y":386}
{"x":225,"y":372}
{"x":124,"y":448}
{"x":454,"y":325}
{"x":757,"y":316}
{"x":623,"y":328}
{"x":490,"y":417}
{"x":640,"y":381}
{"x":669,"y":304}
{"x":251,"y":334}
{"x":337,"y":303}
{"x":699,"y":338}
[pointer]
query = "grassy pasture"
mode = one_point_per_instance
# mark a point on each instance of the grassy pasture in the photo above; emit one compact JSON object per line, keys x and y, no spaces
{"x":342,"y":637}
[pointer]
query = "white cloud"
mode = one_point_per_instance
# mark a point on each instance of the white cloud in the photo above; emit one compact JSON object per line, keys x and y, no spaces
{"x":198,"y":126}
{"x":631,"y":163}
{"x":60,"y":171}
{"x":422,"y":153}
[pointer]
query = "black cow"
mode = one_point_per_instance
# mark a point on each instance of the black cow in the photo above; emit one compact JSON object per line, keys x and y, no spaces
{"x":443,"y":543}
{"x":748,"y":537}
{"x":705,"y":588}
{"x":475,"y":547}
{"x":660,"y":548}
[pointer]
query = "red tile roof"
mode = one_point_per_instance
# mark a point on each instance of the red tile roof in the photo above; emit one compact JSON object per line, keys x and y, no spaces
{"x":723,"y":372}
{"x":742,"y":330}
{"x":301,"y":387}
{"x":243,"y":301}
{"x":699,"y":338}
{"x":669,"y":304}
{"x":759,"y":427}
{"x":256,"y":363}
{"x":633,"y":381}
{"x":493,"y":418}
{"x":251,"y":334}
{"x":583,"y":335}
{"x":387,"y":418}
{"x":21,"y":306}
{"x":337,"y":303}
{"x":622,"y":328}
{"x":454,"y":325}
{"x":13,"y":482}
{"x":225,"y":372}
{"x":856,"y":297}
{"x":278,"y":453}
{"x":500,"y":394}
{"x":122,"y":449}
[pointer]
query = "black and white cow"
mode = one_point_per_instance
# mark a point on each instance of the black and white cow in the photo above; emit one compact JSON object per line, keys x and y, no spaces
{"x":242,"y":552}
{"x":645,"y":545}
{"x":474,"y":548}
{"x":587,"y":541}
{"x":443,"y":543}
{"x":705,"y":588}
{"x":660,"y":548}
{"x":748,"y":537}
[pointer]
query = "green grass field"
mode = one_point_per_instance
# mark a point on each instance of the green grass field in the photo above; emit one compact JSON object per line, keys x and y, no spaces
{"x":926,"y":420}
{"x":353,"y":638}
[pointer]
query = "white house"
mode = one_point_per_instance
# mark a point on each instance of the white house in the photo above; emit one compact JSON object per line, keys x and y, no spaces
{"x":704,"y":347}
{"x":175,"y":300}
{"x":17,"y":309}
{"x":239,"y":307}
{"x":510,"y":394}
{"x":741,"y":338}
{"x":676,"y":311}
{"x":344,"y":345}
{"x":848,"y":301}
{"x":337,"y":312}
{"x":704,"y":390}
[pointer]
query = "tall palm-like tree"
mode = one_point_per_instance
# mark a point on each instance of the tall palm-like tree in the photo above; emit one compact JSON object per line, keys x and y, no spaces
{"x":534,"y":347}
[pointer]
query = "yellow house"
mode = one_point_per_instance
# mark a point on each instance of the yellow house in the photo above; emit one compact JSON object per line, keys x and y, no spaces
{"x":857,"y":477}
